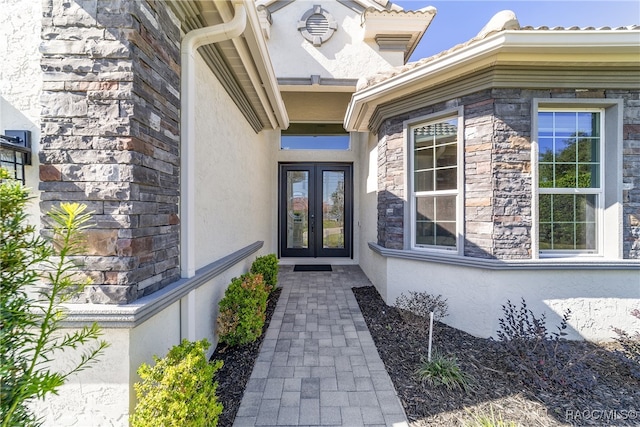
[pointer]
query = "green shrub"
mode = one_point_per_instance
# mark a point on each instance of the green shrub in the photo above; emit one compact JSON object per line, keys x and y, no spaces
{"x":179,"y":389}
{"x":30,"y":316}
{"x":242,"y":310}
{"x":267,"y":265}
{"x":442,"y":370}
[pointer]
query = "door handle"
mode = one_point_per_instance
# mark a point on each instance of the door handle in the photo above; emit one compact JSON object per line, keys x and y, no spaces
{"x":312,"y":223}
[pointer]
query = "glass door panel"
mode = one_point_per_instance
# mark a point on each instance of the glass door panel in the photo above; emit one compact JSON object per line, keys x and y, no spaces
{"x":297,"y":215}
{"x":333,"y":209}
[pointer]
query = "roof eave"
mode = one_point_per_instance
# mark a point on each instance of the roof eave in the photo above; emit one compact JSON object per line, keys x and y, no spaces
{"x":260,"y":53}
{"x":514,"y":47}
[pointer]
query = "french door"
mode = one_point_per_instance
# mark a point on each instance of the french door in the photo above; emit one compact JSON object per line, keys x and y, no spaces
{"x":316,"y":210}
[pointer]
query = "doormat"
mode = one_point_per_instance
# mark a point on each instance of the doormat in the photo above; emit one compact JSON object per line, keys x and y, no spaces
{"x":312,"y":267}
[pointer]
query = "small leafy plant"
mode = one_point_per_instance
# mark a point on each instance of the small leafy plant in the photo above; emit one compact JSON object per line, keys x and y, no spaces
{"x":242,"y":310}
{"x":36,"y":277}
{"x":443,"y":370}
{"x":543,"y":359}
{"x":630,"y":344}
{"x":267,"y":265}
{"x":179,"y":389}
{"x":420,"y":304}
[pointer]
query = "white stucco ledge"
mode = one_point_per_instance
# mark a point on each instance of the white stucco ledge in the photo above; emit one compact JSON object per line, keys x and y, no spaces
{"x":135,"y":313}
{"x":494,"y":264}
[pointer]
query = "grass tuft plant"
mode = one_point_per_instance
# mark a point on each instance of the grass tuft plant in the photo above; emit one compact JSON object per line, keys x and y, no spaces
{"x":443,"y":371}
{"x":489,"y":420}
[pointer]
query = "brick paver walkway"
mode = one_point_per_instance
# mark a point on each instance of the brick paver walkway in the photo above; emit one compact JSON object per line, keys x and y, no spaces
{"x":318,"y":364}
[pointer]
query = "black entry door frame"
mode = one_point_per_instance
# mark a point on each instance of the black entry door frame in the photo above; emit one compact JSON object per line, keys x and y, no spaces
{"x":314,"y":226}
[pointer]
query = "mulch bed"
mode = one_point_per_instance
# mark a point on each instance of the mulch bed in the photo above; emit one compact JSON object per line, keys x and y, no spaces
{"x":238,"y":364}
{"x":613,"y":400}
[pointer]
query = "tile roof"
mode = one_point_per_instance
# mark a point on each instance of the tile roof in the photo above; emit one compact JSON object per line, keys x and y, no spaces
{"x":503,"y":21}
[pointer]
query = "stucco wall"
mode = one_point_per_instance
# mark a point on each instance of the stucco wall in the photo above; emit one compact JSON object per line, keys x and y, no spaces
{"x":21,"y":80}
{"x":374,"y":266}
{"x":96,"y":396}
{"x":598,"y":299}
{"x":344,"y":55}
{"x":234,"y":179}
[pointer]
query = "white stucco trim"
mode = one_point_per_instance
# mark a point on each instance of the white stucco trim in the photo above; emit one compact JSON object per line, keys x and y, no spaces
{"x":263,"y":76}
{"x":190,"y":43}
{"x":494,"y":264}
{"x":134,"y":314}
{"x":515,"y":47}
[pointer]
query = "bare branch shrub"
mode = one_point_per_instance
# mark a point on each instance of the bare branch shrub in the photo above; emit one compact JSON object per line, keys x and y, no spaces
{"x":630,"y":343}
{"x":541,"y":358}
{"x":416,"y":306}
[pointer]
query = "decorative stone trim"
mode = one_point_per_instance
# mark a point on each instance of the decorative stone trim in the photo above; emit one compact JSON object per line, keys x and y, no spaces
{"x":132,"y":315}
{"x":393,"y":42}
{"x":317,"y":25}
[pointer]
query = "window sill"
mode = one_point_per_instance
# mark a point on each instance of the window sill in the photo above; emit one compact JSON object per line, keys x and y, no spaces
{"x":494,"y":264}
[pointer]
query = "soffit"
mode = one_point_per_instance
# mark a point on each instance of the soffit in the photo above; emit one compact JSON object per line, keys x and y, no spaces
{"x":324,"y":107}
{"x":223,"y":58}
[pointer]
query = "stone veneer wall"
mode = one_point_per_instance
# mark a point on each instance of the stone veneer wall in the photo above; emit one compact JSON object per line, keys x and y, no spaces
{"x":498,"y":187}
{"x":391,"y":186}
{"x":110,"y":139}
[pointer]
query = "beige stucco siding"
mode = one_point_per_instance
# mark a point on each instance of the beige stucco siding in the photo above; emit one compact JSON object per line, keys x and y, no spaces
{"x":234,"y":182}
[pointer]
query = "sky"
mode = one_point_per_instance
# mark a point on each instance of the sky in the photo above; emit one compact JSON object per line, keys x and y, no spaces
{"x":458,"y":21}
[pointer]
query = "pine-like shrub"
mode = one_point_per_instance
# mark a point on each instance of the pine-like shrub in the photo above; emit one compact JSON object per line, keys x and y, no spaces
{"x":179,"y":389}
{"x":267,"y":265}
{"x":242,"y":310}
{"x":36,"y":276}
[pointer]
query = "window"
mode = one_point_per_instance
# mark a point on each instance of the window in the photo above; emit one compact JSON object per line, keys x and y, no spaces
{"x":434,"y":190}
{"x":569,"y":180}
{"x":578,"y":173}
{"x":314,"y":136}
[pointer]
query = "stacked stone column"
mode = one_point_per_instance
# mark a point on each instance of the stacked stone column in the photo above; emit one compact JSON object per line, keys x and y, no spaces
{"x":110,"y":138}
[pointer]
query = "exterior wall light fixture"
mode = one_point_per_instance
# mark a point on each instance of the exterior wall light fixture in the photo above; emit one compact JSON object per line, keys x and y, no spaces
{"x":15,"y":152}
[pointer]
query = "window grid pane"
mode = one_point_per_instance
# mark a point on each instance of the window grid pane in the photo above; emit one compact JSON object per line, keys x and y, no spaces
{"x":569,"y":149}
{"x":568,"y":180}
{"x":435,"y":174}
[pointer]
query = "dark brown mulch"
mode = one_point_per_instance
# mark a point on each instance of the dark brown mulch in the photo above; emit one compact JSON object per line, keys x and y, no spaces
{"x":613,"y":400}
{"x":238,"y":364}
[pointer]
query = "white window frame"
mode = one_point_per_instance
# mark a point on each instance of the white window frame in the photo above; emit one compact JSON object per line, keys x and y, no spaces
{"x":456,"y":113}
{"x":609,"y":215}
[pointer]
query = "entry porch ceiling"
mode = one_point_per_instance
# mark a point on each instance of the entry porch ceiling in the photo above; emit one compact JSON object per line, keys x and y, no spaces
{"x":234,"y":62}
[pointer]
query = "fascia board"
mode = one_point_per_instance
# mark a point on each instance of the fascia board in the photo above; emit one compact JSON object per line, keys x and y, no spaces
{"x":504,"y":47}
{"x":262,"y":59}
